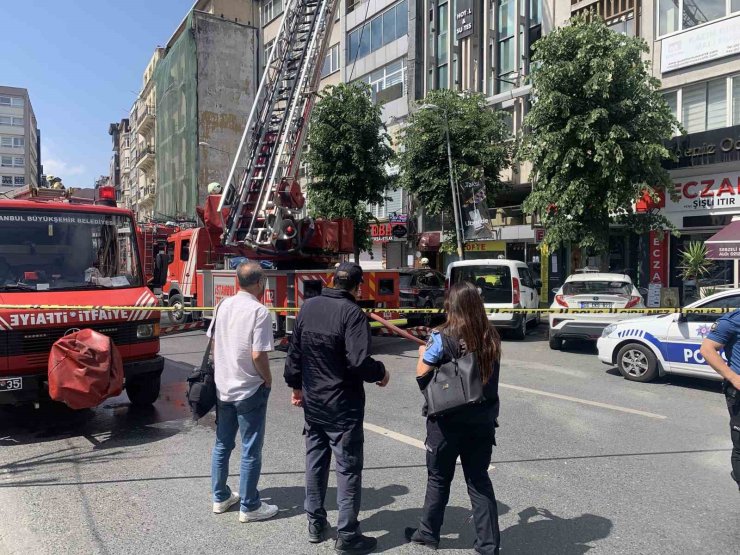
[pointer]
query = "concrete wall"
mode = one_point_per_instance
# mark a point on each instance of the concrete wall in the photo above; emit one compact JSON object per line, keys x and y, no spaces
{"x":227,"y":83}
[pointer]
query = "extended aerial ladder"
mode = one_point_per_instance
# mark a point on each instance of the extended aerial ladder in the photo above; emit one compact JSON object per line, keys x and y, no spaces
{"x":262,"y":197}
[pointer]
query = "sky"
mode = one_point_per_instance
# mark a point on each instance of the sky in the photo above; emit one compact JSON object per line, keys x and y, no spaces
{"x":82,"y":62}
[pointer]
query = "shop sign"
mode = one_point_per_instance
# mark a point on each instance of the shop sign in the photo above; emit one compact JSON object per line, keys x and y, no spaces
{"x":709,"y":147}
{"x":398,"y":218}
{"x":658,"y":258}
{"x":485,"y":246}
{"x":716,"y":193}
{"x":385,"y":232}
{"x":464,"y":19}
{"x":539,"y":235}
{"x":700,"y":45}
{"x":474,"y":211}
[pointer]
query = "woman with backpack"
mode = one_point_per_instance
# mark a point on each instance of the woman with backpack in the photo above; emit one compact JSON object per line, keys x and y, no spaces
{"x":464,"y":349}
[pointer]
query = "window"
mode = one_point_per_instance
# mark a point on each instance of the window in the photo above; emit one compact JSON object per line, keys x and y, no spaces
{"x":19,"y":142}
{"x":6,"y":120}
{"x":390,"y":78}
{"x":704,"y":106}
{"x":268,"y":50}
{"x":19,"y":180}
{"x":331,"y":61}
{"x":12,"y":142}
{"x":675,"y":15}
{"x":18,"y":122}
{"x":505,"y":48}
{"x":379,"y":31}
{"x":736,"y":99}
{"x":7,"y":180}
{"x":18,"y":161}
{"x":270,"y":10}
{"x":12,"y":101}
{"x":6,"y":161}
{"x":352,"y":5}
{"x":443,"y":26}
{"x":624,"y":25}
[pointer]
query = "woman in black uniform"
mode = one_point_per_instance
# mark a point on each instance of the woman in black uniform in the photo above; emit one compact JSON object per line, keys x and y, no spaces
{"x":469,"y":432}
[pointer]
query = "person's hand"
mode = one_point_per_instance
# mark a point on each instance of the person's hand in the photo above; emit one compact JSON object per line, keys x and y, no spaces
{"x":384,"y":381}
{"x":296,"y":399}
{"x":735,"y":381}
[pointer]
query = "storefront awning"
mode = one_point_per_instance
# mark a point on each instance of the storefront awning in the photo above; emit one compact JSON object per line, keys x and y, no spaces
{"x":725,"y":244}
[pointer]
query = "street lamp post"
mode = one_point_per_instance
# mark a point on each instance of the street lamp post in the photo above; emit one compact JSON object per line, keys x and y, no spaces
{"x":453,"y":185}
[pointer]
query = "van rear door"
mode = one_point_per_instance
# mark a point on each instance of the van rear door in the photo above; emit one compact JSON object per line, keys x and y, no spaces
{"x":494,"y":283}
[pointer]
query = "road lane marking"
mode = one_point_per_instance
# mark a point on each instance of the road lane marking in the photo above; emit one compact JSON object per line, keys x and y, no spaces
{"x":408,"y":440}
{"x":584,"y":401}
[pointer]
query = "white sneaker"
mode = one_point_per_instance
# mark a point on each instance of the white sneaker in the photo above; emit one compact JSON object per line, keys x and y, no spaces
{"x":264,"y":512}
{"x":224,"y":506}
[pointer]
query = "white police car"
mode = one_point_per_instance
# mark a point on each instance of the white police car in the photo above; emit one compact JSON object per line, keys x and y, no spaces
{"x":644,"y":348}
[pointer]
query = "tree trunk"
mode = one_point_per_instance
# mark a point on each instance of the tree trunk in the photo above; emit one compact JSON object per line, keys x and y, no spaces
{"x":357,"y":254}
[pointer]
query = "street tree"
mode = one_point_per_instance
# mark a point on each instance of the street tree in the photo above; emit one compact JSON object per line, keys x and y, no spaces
{"x":596,"y":135}
{"x":349,"y":151}
{"x":478,"y":142}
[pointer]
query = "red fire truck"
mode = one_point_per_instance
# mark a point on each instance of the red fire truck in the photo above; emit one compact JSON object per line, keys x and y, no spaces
{"x":58,"y":250}
{"x":201,"y":270}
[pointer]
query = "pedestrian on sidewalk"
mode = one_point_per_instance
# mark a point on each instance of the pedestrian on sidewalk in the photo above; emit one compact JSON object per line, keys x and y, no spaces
{"x":724,"y":334}
{"x":328,"y":361}
{"x":242,"y":335}
{"x":469,"y":432}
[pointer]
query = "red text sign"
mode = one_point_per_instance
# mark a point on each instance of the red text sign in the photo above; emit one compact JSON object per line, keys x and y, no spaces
{"x":659,"y":258}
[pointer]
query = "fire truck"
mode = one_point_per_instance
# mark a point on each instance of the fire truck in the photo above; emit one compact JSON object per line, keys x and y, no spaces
{"x":60,"y":250}
{"x":261,"y":213}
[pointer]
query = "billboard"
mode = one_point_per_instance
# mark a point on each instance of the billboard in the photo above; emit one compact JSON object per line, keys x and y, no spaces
{"x":476,"y":223}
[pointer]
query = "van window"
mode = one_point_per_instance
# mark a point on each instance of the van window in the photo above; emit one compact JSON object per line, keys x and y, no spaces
{"x":526,"y":277}
{"x":493,"y":282}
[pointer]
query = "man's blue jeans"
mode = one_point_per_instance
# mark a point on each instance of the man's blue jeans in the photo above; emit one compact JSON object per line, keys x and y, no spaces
{"x":248,"y":416}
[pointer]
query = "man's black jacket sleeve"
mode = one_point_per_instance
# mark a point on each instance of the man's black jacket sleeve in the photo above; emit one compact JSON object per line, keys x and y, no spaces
{"x":357,"y":344}
{"x":293,"y":364}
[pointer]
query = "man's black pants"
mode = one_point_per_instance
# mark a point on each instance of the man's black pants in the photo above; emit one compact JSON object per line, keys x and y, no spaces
{"x":732,"y":396}
{"x":473,"y":444}
{"x":347,"y":446}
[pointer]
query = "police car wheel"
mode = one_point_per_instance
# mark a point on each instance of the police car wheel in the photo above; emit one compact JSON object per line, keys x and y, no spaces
{"x":637,"y":363}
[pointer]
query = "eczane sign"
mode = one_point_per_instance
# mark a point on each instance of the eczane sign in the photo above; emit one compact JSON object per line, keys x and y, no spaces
{"x":703,"y":44}
{"x":717,"y":193}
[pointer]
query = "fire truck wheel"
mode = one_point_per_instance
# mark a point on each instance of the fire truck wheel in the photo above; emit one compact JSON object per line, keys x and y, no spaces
{"x":143,"y":390}
{"x":178,"y":316}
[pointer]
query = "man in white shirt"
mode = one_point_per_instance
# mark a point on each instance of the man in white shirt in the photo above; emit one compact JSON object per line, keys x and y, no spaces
{"x":242,"y":334}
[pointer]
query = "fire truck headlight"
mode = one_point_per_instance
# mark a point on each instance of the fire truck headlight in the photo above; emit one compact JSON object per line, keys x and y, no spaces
{"x":145,"y":331}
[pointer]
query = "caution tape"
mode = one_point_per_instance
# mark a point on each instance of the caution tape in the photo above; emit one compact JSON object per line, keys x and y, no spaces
{"x":649,"y":311}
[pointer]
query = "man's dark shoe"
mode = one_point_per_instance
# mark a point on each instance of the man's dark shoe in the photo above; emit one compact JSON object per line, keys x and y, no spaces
{"x":736,"y":481}
{"x":359,"y":545}
{"x":413,"y":536}
{"x":318,"y":532}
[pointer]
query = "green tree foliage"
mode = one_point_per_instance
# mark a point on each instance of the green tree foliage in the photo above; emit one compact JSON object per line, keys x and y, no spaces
{"x":596,"y":134}
{"x":349,"y":150}
{"x":478,"y":142}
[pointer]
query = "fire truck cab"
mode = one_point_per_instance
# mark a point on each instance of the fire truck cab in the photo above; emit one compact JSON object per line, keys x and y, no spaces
{"x":57,"y":250}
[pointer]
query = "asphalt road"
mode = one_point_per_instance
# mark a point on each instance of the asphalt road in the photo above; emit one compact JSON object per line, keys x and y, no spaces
{"x":586,"y":461}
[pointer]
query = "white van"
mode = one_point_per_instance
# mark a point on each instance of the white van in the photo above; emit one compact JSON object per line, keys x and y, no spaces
{"x":503,"y":284}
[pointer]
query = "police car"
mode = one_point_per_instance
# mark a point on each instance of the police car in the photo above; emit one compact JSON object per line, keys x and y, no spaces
{"x":651,"y":346}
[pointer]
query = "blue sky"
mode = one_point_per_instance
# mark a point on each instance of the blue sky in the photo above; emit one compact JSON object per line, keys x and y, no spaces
{"x":82,"y":62}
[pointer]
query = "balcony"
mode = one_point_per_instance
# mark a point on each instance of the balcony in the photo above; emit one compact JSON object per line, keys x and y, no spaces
{"x":145,"y":121}
{"x":148,"y":196}
{"x":145,"y":158}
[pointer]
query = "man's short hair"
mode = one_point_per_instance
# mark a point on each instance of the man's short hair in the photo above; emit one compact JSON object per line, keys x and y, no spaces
{"x":249,"y":274}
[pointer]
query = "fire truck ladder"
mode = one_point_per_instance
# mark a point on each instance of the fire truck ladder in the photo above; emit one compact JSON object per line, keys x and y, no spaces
{"x":264,"y":205}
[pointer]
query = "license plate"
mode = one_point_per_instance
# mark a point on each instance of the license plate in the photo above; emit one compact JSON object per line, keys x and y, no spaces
{"x":596,"y":305}
{"x":11,"y":384}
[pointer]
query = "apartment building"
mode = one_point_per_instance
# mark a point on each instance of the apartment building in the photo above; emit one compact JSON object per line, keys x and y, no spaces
{"x":187,"y":120}
{"x":20,"y":147}
{"x":369,"y":42}
{"x":120,"y":163}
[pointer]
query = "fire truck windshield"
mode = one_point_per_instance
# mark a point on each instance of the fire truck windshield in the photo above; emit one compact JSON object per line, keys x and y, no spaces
{"x":43,"y":250}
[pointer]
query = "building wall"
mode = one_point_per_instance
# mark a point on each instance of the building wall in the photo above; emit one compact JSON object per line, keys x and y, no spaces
{"x":18,"y":133}
{"x":227,"y":82}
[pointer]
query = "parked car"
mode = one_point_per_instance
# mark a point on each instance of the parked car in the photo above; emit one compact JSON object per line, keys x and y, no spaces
{"x":422,"y":288}
{"x":651,"y":346}
{"x":502,"y":284}
{"x":591,"y":290}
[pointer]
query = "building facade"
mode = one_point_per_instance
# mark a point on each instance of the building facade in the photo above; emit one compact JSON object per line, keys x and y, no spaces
{"x":188,"y":118}
{"x":20,"y":140}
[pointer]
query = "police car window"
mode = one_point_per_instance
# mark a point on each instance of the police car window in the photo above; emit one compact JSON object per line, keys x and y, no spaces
{"x":733,"y":301}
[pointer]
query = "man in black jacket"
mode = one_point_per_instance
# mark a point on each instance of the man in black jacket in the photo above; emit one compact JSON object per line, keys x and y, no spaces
{"x":328,"y":361}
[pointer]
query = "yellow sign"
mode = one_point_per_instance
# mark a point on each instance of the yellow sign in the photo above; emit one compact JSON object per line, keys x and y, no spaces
{"x":485,"y":246}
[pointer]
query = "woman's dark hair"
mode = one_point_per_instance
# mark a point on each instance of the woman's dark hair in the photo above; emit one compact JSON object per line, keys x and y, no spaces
{"x":467,"y":321}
